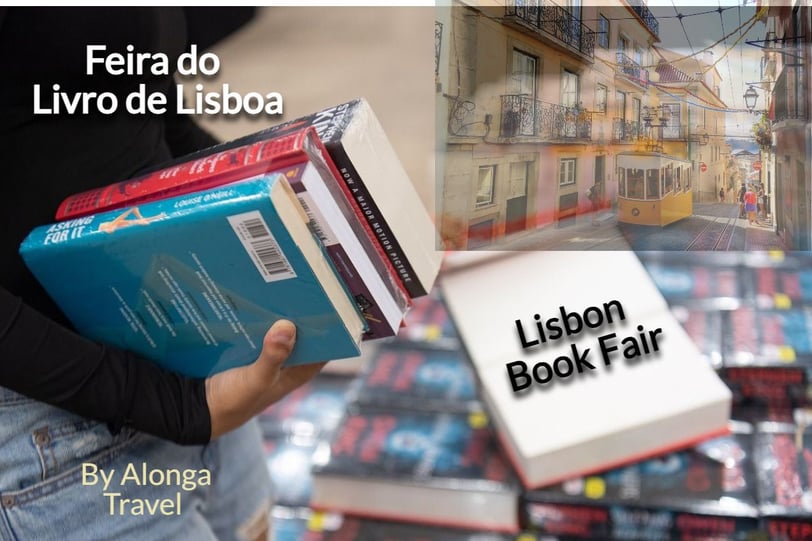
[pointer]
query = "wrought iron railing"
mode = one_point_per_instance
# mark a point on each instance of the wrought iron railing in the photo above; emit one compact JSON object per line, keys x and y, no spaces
{"x":524,"y":116}
{"x":438,"y":40}
{"x":624,"y":131}
{"x":631,"y":70}
{"x":555,"y":21}
{"x":646,"y":15}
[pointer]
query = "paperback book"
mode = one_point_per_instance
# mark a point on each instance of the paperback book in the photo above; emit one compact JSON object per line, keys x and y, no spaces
{"x":768,"y":357}
{"x":606,"y":361}
{"x":708,"y":492}
{"x":783,"y":456}
{"x":301,"y":524}
{"x":313,"y":411}
{"x":370,"y":171}
{"x":301,"y":156}
{"x":194,"y":282}
{"x":697,"y":284}
{"x":428,"y":325}
{"x":782,"y":287}
{"x":704,"y":327}
{"x":418,"y":379}
{"x":442,"y":469}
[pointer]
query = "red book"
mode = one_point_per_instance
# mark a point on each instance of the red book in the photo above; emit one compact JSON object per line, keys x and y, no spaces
{"x":370,"y":276}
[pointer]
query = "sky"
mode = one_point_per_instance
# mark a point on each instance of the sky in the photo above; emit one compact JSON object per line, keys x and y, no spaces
{"x":740,"y":66}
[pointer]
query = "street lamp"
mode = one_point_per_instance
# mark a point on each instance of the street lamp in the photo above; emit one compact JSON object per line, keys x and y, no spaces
{"x":750,"y":98}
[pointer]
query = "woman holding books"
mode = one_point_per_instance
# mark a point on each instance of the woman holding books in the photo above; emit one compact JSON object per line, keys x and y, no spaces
{"x":94,"y":442}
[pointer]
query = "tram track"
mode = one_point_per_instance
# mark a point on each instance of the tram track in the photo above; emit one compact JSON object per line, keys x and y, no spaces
{"x":715,"y":236}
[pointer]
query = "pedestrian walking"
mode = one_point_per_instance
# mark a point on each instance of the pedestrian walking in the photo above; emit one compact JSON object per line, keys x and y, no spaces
{"x":742,"y":191}
{"x":721,"y":195}
{"x":750,"y":205}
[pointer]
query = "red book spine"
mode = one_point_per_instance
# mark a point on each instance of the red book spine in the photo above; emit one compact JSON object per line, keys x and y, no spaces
{"x":201,"y":174}
{"x":232,"y":165}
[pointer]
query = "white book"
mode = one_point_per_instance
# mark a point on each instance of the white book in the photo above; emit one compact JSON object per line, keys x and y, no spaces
{"x":617,"y":412}
{"x":386,"y":196}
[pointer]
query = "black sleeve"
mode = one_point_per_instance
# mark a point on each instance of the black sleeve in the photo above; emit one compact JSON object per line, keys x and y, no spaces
{"x":184,"y":135}
{"x":47,"y":362}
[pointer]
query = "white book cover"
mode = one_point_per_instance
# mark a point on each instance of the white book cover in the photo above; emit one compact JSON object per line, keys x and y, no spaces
{"x":608,"y":375}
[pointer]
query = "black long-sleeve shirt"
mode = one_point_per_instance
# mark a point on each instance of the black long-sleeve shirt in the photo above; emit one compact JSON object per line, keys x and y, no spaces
{"x":43,"y":159}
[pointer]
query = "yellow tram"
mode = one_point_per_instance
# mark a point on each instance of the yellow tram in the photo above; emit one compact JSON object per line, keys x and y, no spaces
{"x":653,"y":188}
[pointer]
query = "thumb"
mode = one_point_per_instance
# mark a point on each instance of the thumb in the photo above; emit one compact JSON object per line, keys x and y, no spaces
{"x":235,"y":395}
{"x":276,"y":347}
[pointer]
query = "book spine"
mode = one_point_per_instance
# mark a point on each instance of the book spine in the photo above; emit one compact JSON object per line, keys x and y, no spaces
{"x":207,"y":172}
{"x":343,"y":197}
{"x":375,"y":220}
{"x":367,"y":306}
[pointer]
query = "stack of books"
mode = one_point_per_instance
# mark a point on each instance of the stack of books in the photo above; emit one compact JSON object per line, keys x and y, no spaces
{"x":416,"y":444}
{"x":314,"y":221}
{"x":753,"y":324}
{"x":750,"y":483}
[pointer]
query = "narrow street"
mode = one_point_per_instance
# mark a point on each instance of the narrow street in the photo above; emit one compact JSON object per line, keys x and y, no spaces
{"x":712,"y":227}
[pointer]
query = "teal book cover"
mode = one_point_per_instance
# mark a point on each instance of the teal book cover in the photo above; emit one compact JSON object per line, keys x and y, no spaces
{"x":194,"y":282}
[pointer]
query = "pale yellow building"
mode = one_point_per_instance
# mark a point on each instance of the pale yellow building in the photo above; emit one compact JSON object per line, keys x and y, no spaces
{"x":690,"y":89}
{"x":534,"y":101}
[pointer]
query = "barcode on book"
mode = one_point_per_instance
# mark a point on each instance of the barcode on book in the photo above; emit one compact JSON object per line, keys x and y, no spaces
{"x":318,"y":224}
{"x":261,"y":246}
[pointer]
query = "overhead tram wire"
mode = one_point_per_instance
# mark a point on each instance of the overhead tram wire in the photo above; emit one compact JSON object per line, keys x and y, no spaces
{"x":659,"y":17}
{"x":751,"y":21}
{"x":727,"y":58}
{"x":680,"y":16}
{"x":739,"y":116}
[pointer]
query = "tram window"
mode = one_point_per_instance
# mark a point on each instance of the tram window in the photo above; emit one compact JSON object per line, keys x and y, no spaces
{"x":652,"y":184}
{"x":677,"y":180}
{"x":687,"y":179}
{"x":635,"y":183}
{"x":621,"y":182}
{"x":669,"y":180}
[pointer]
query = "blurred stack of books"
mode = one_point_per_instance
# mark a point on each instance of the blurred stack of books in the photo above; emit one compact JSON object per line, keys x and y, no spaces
{"x":406,"y":449}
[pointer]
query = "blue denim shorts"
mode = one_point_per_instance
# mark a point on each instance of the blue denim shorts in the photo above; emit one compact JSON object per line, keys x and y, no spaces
{"x":53,"y":466}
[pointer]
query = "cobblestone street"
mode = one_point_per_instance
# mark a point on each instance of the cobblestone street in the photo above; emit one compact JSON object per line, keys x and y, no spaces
{"x":712,"y":227}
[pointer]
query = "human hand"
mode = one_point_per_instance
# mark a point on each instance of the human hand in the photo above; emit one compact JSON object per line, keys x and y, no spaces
{"x":236,"y":395}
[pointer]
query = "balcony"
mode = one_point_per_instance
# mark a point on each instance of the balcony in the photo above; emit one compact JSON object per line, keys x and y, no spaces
{"x":544,"y":19}
{"x":648,"y":18}
{"x":789,"y":96}
{"x":523,"y":116}
{"x":631,"y":70}
{"x":626,"y":132}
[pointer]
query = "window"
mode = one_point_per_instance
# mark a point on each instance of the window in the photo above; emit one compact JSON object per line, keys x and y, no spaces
{"x":634,"y":181}
{"x":569,"y":89}
{"x":485,"y":184}
{"x":603,"y":31}
{"x":673,"y":125}
{"x":566,"y":171}
{"x":620,"y":105}
{"x":621,"y":182}
{"x":517,"y":186}
{"x":600,"y":98}
{"x":652,"y":183}
{"x":622,"y":45}
{"x":523,"y":74}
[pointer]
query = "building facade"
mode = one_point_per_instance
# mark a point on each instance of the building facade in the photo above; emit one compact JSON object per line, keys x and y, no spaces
{"x":535,"y":102}
{"x":787,"y":51}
